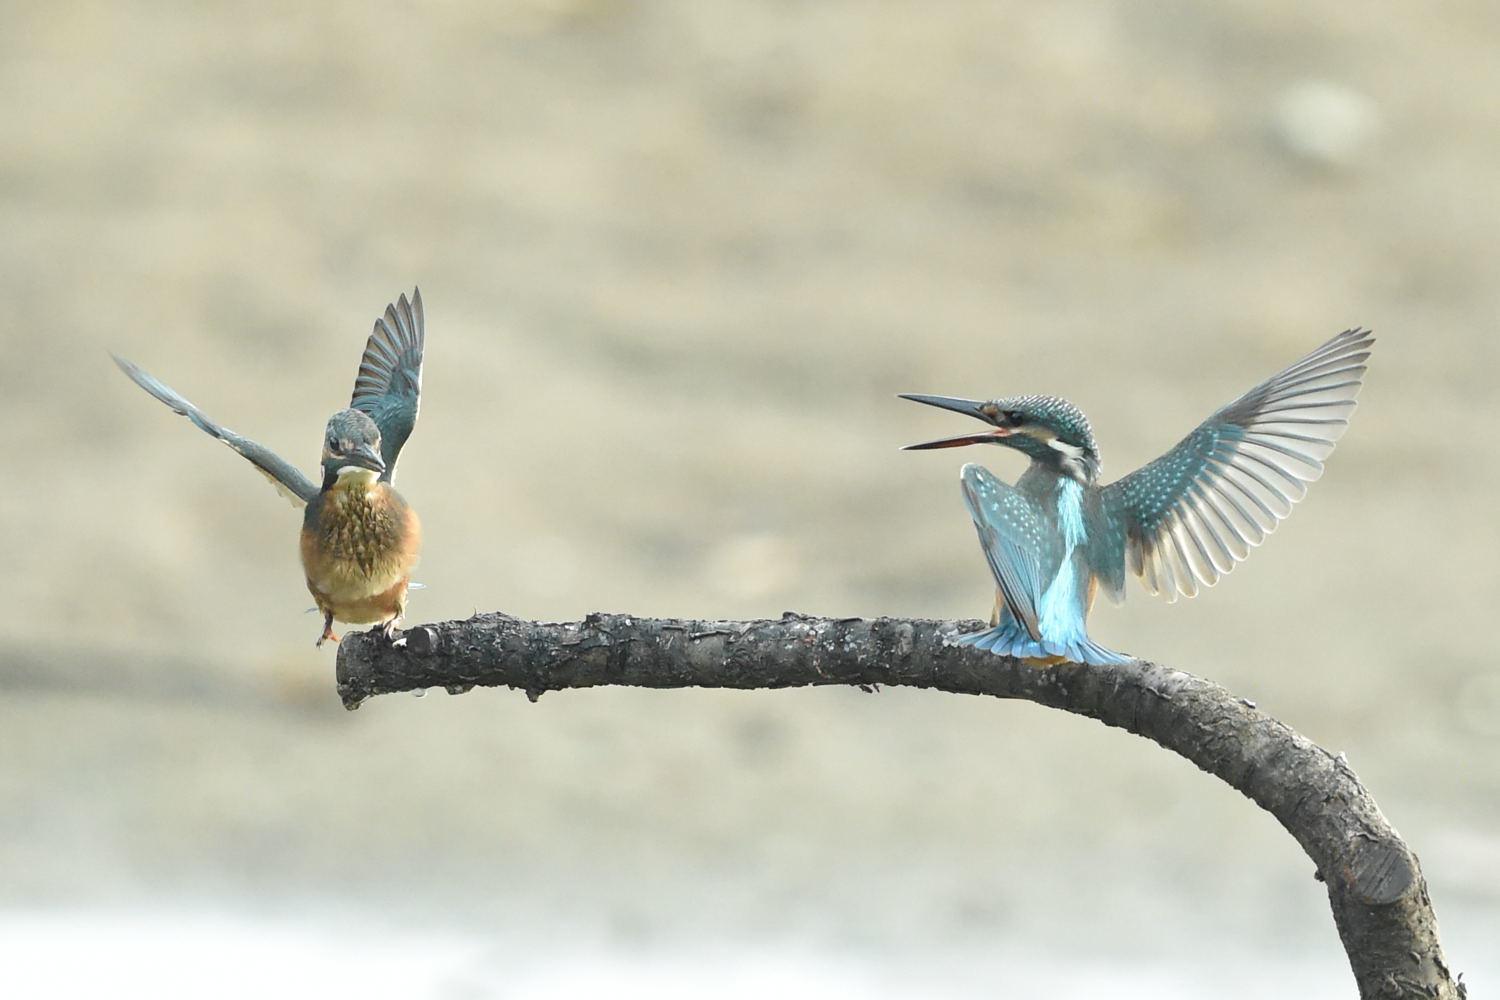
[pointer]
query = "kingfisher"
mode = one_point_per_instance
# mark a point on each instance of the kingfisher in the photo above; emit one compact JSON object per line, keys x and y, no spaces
{"x":1183,"y":520}
{"x":359,"y":538}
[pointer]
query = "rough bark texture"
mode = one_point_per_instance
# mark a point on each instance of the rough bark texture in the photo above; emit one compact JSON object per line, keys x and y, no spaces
{"x":1375,"y":885}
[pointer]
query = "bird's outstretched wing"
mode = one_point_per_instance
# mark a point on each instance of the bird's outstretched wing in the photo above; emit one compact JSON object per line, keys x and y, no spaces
{"x":1193,"y":513}
{"x":285,"y":476}
{"x":1013,"y":539}
{"x":389,"y":386}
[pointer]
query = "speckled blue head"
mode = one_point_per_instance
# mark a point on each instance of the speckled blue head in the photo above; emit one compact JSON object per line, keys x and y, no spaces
{"x":1047,"y":429}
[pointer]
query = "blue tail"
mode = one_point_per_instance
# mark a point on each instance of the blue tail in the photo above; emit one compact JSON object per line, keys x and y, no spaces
{"x":1010,"y":639}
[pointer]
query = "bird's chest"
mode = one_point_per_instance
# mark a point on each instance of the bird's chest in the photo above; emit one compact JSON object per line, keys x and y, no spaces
{"x":355,"y":539}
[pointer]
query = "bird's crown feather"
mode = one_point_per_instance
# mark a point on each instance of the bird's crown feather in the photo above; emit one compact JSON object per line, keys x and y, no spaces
{"x":1057,"y":415}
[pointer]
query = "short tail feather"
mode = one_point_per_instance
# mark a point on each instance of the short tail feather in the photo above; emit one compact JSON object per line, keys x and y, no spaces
{"x":1010,"y":639}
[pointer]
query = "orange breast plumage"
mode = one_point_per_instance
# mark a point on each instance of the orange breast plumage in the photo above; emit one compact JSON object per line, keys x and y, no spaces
{"x":359,"y":544}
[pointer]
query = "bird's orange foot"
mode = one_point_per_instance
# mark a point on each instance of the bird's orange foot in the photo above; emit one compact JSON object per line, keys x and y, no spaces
{"x":387,"y":629}
{"x":327,"y":632}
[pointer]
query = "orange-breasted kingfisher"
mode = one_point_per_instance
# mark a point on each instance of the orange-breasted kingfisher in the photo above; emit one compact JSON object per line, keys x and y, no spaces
{"x":1056,"y":536}
{"x":359,"y":537}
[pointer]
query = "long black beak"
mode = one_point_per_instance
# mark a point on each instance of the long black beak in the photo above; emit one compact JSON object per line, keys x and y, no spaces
{"x":969,"y":407}
{"x":363,"y":455}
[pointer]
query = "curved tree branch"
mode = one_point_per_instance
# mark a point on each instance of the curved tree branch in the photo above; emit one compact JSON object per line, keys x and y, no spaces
{"x":1375,"y":885}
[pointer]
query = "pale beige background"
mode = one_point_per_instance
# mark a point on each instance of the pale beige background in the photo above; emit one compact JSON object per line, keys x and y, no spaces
{"x":677,"y":259}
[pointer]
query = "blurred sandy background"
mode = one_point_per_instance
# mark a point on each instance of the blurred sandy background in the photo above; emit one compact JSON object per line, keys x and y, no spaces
{"x":677,"y":259}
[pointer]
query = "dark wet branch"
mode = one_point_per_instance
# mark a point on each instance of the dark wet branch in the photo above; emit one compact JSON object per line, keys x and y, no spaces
{"x":1375,"y":886}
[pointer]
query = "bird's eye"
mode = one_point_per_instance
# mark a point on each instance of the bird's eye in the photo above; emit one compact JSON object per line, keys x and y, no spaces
{"x":1015,"y":417}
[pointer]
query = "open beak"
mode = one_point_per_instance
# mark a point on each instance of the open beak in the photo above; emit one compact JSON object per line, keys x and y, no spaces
{"x":969,"y":407}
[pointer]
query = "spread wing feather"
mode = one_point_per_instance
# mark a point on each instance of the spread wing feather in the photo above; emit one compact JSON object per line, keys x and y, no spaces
{"x":285,"y":476}
{"x":389,"y":385}
{"x":1196,"y":511}
{"x":1010,"y":532}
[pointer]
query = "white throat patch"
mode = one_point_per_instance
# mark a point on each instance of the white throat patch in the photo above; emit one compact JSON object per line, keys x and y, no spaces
{"x":357,"y":475}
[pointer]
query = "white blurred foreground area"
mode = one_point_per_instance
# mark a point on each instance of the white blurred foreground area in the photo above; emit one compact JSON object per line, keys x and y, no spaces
{"x":126,"y":954}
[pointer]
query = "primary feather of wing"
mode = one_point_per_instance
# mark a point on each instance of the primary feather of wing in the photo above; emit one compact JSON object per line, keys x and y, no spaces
{"x":287,"y":479}
{"x":1196,"y":511}
{"x":389,"y":385}
{"x":1010,"y":532}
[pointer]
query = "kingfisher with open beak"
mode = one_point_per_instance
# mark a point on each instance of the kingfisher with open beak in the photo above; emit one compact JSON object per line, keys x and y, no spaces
{"x":359,"y":537}
{"x":1185,"y":519}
